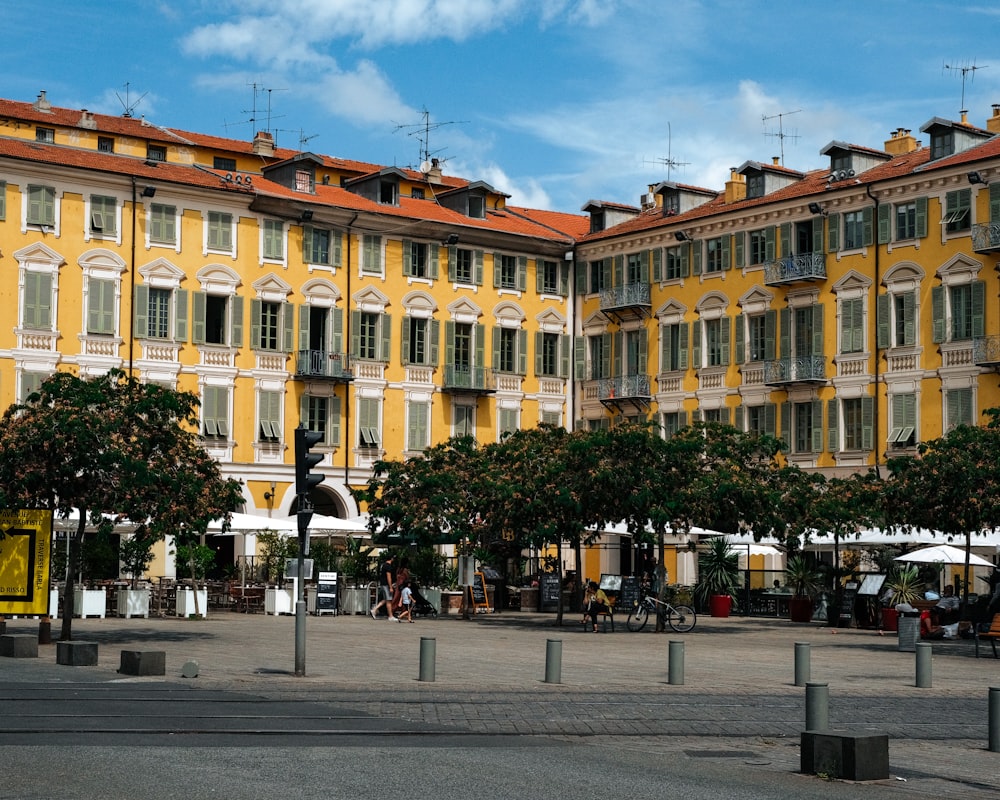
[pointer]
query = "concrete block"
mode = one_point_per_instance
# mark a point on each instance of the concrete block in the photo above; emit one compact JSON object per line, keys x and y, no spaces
{"x":143,"y":662}
{"x":849,"y":756}
{"x":19,"y":645}
{"x":76,"y":654}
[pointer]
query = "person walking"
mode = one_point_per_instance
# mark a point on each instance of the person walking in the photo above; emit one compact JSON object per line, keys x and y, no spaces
{"x":406,"y":598}
{"x":386,"y":585}
{"x":401,"y":576}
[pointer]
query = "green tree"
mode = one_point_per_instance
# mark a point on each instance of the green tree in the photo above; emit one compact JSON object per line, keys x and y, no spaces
{"x":111,"y":447}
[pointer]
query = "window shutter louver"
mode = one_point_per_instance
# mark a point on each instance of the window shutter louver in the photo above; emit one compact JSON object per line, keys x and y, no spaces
{"x":937,"y":314}
{"x":884,"y":216}
{"x":882,"y":327}
{"x":740,"y":339}
{"x":867,"y":423}
{"x":921,"y":217}
{"x":833,"y":435}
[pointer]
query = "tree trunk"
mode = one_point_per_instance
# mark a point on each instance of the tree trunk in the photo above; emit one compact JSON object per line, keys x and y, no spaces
{"x":559,"y":572}
{"x":661,"y":579}
{"x":75,"y":548}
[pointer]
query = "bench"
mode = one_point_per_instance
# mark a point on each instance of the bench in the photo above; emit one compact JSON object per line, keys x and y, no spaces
{"x":992,"y":634}
{"x":606,"y":615}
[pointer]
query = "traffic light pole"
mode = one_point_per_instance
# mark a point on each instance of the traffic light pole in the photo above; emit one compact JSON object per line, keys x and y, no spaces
{"x":305,"y":480}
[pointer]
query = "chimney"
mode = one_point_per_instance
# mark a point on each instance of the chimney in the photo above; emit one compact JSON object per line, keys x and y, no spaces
{"x":900,"y":142}
{"x":434,"y":173}
{"x":736,"y":187}
{"x":993,"y":123}
{"x":965,"y":116}
{"x":775,"y":161}
{"x":42,"y":103}
{"x":87,"y":120}
{"x":263,"y":144}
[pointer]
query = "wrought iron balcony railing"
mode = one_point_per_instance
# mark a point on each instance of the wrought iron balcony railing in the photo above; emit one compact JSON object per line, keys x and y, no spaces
{"x":472,"y":379}
{"x":986,"y":350}
{"x":804,"y":267}
{"x":624,"y":387}
{"x":792,"y":370}
{"x":627,"y":296}
{"x":323,"y":364}
{"x":986,"y":237}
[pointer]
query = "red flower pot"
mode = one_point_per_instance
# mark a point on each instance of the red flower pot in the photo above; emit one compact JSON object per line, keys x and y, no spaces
{"x":719,"y":605}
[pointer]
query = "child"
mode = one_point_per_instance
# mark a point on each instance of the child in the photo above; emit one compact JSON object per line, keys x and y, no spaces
{"x":406,"y":598}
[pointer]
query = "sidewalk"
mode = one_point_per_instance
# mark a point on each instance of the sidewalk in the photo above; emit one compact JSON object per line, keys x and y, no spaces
{"x":738,"y":689}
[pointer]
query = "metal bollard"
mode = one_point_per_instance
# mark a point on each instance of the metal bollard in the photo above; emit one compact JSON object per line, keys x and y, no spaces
{"x":428,"y":655}
{"x":45,"y":631}
{"x":675,"y":663}
{"x":802,"y":666}
{"x":924,"y":677}
{"x":817,"y":707}
{"x":994,"y":718}
{"x":553,"y":661}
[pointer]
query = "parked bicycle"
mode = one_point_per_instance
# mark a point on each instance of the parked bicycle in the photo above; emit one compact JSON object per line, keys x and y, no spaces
{"x":679,"y":618}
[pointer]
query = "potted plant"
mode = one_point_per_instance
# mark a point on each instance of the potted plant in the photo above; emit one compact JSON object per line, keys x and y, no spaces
{"x":905,"y":586}
{"x":136,"y":554}
{"x":804,"y":579}
{"x":718,"y":577}
{"x":198,"y":559}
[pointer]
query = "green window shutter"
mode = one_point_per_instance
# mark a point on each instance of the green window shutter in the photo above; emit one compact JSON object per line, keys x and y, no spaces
{"x":937,"y":314}
{"x":853,"y":318}
{"x":832,"y":434}
{"x":867,"y":423}
{"x":385,"y":331}
{"x":740,"y":339}
{"x":884,"y":218}
{"x":817,"y":426}
{"x":255,"y":313}
{"x":180,"y":315}
{"x":770,"y":411}
{"x":305,"y":313}
{"x":617,"y":339}
{"x":817,"y":330}
{"x":833,"y":233}
{"x":304,"y":411}
{"x":141,"y":311}
{"x":740,"y":239}
{"x":696,"y":344}
{"x":580,"y":277}
{"x":198,"y":317}
{"x":642,"y":355}
{"x":580,"y":358}
{"x":564,"y":279}
{"x":432,"y":261}
{"x":337,"y":337}
{"x":307,"y":237}
{"x":686,"y":250}
{"x":449,"y":342}
{"x":539,"y":275}
{"x":407,"y":257}
{"x":882,"y":326}
{"x":435,"y":342}
{"x":564,"y":346}
{"x":236,"y":330}
{"x":995,"y":201}
{"x":818,"y":234}
{"x":606,"y":354}
{"x":478,"y":261}
{"x":769,"y":236}
{"x":921,"y":217}
{"x":522,"y":273}
{"x":452,"y":264}
{"x":333,"y":422}
{"x":496,"y":271}
{"x":682,"y":347}
{"x":336,"y":247}
{"x":785,"y":238}
{"x":979,"y":309}
{"x":784,"y":333}
{"x":725,"y":338}
{"x":910,"y":321}
{"x":738,"y":418}
{"x":522,"y":352}
{"x":496,"y":333}
{"x":770,"y":320}
{"x":696,"y":258}
{"x":38,"y":300}
{"x":539,"y":344}
{"x":867,"y":227}
{"x":404,"y":341}
{"x":355,"y":334}
{"x":619,"y":274}
{"x":656,"y":257}
{"x":100,"y":306}
{"x":727,"y":261}
{"x":480,"y":331}
{"x":288,"y":327}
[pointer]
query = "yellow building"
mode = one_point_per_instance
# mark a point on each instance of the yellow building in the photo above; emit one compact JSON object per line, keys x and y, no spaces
{"x":387,"y":308}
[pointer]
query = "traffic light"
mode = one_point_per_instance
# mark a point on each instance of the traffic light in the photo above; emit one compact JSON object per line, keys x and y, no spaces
{"x":305,"y":461}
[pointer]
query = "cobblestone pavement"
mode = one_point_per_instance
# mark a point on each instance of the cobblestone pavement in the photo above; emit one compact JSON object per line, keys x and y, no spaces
{"x":738,"y":699}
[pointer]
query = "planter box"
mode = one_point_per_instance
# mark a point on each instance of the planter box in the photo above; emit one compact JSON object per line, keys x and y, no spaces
{"x":89,"y":602}
{"x":353,"y":600}
{"x":133,"y":603}
{"x":185,"y":603}
{"x":432,"y":596}
{"x":278,"y":601}
{"x":451,"y":602}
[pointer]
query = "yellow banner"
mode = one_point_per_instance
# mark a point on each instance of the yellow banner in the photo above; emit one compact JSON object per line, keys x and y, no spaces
{"x":25,"y":549}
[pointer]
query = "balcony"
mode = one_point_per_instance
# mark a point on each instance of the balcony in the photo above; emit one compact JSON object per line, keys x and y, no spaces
{"x":460,"y":379}
{"x":792,"y":269}
{"x":986,"y":351}
{"x":805,"y":369}
{"x":626,"y":302}
{"x":625,"y":392}
{"x":986,"y":237}
{"x":323,"y":365}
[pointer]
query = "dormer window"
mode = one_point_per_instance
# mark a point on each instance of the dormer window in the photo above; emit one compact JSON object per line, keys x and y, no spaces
{"x":840,"y":161}
{"x":46,"y":135}
{"x":477,"y":207}
{"x":387,"y":191}
{"x":596,"y":221}
{"x":755,"y":185}
{"x":942,"y":144}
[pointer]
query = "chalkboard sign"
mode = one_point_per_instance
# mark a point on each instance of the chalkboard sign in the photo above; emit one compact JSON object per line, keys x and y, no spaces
{"x":326,"y":593}
{"x":628,"y":594}
{"x":847,"y":602}
{"x":871,"y":585}
{"x":548,"y":592}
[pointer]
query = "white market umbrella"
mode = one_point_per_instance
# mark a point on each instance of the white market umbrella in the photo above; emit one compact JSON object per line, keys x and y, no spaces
{"x":944,"y":554}
{"x":251,"y":523}
{"x":322,"y":524}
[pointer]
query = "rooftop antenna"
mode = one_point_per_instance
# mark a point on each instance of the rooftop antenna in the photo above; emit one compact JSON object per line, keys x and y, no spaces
{"x":259,"y":89}
{"x":303,"y":139}
{"x":780,"y":135}
{"x":422,"y":130}
{"x":669,"y":162}
{"x":966,"y":69}
{"x":128,"y":105}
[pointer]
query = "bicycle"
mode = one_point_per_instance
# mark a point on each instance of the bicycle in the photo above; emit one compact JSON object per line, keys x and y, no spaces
{"x":679,"y":618}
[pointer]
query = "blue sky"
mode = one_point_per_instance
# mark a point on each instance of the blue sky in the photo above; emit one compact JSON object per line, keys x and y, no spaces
{"x":554,"y":101}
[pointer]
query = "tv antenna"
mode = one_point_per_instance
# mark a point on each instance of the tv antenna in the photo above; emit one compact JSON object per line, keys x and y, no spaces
{"x":966,"y":70}
{"x":127,"y":104}
{"x":780,"y":135}
{"x":422,"y":130}
{"x":303,"y":139}
{"x":259,"y":89}
{"x":669,"y":162}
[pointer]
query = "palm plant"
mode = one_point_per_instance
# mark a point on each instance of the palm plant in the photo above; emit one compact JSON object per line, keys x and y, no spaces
{"x":718,"y":570}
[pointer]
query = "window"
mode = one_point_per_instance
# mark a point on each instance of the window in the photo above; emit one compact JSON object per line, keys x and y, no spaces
{"x":31,"y":382}
{"x":755,"y":185}
{"x":551,"y":418}
{"x":964,"y":316}
{"x":852,"y":329}
{"x":899,"y":222}
{"x":462,"y":265}
{"x":105,"y":144}
{"x":417,"y":194}
{"x":321,"y":246}
{"x":906,"y":221}
{"x":387,"y":193}
{"x":369,"y":435}
{"x":37,"y":311}
{"x":157,"y":312}
{"x":220,"y":231}
{"x":957,"y":207}
{"x":507,"y":421}
{"x":103,"y":215}
{"x":760,"y":420}
{"x":163,"y":224}
{"x":853,"y":423}
{"x":215,"y":412}
{"x":599,"y":275}
{"x":41,"y":206}
{"x":477,"y":207}
{"x":463,"y":421}
{"x":600,"y":356}
{"x":321,"y":414}
{"x":268,"y":326}
{"x":854,"y":230}
{"x":46,"y":135}
{"x":759,"y":251}
{"x":415,"y":259}
{"x":371,"y":260}
{"x":903,"y":420}
{"x":304,"y":181}
{"x":959,"y":408}
{"x":805,"y":325}
{"x":717,"y":342}
{"x":634,"y":353}
{"x":897,"y":319}
{"x":549,"y":282}
{"x":417,"y":425}
{"x":505,"y":271}
{"x":961,"y":312}
{"x":370,"y":335}
{"x":221,"y":162}
{"x":100,"y":306}
{"x":635,"y":271}
{"x":211,"y":319}
{"x":547,"y":354}
{"x":274,"y":239}
{"x":156,"y":152}
{"x":676,"y":266}
{"x":759,"y":333}
{"x":420,"y":341}
{"x":673,"y":421}
{"x":716,"y":252}
{"x":674,"y":346}
{"x":462,"y":342}
{"x":803,"y":413}
{"x":942,"y":144}
{"x":505,"y":355}
{"x":269,"y":416}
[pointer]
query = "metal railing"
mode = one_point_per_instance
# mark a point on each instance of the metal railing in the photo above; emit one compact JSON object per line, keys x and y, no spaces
{"x":624,"y":386}
{"x":631,"y":294}
{"x":323,"y":364}
{"x":986,"y":350}
{"x":986,"y":237}
{"x":790,"y":370}
{"x":803,"y":267}
{"x":476,"y":379}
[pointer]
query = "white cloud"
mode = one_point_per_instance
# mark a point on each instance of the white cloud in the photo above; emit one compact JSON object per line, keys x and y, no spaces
{"x":525,"y":192}
{"x":363,"y":95}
